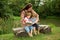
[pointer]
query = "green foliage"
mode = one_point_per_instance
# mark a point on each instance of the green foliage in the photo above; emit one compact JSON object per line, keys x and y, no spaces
{"x":5,"y":10}
{"x":11,"y":8}
{"x":55,"y":33}
{"x":6,"y":26}
{"x":50,"y":8}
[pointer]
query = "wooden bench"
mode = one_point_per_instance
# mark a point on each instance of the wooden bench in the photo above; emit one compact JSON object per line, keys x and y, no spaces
{"x":21,"y":32}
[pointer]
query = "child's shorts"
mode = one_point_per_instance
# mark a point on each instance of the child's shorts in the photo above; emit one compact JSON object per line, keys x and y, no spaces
{"x":36,"y":26}
{"x":28,"y":28}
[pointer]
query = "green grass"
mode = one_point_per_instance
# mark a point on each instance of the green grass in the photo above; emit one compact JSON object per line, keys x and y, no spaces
{"x":53,"y":21}
{"x":55,"y":35}
{"x":16,"y":18}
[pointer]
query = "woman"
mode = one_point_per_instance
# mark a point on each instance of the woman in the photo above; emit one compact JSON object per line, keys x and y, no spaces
{"x":28,"y":8}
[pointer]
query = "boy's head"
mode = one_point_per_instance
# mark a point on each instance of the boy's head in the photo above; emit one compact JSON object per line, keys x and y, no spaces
{"x":28,"y":14}
{"x":34,"y":15}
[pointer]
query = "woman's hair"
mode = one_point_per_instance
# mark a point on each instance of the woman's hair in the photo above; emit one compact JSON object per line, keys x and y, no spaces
{"x":27,"y":6}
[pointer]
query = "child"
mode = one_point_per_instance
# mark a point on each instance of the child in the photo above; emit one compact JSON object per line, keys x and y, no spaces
{"x":35,"y":25}
{"x":28,"y":24}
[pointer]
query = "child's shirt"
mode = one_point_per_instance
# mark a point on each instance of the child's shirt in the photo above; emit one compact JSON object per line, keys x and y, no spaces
{"x":26,"y":20}
{"x":33,"y":19}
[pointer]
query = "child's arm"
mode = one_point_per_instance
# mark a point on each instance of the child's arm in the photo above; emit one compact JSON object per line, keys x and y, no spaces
{"x":27,"y":20}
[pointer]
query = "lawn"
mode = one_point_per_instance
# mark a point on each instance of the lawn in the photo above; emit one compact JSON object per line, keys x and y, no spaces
{"x":54,"y":35}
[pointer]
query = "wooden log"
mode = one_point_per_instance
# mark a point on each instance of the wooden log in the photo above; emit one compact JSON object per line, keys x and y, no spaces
{"x":19,"y":31}
{"x":45,"y":29}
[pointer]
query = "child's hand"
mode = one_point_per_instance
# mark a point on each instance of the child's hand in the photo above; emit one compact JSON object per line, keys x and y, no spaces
{"x":29,"y":22}
{"x":32,"y":23}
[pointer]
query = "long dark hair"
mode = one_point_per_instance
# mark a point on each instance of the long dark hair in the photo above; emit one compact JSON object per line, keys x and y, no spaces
{"x":27,"y":7}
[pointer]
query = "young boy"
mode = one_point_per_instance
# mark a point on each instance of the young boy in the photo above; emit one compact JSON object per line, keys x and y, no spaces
{"x":35,"y":25}
{"x":28,"y":24}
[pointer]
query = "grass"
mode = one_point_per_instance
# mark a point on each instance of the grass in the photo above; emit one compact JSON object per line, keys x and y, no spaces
{"x":16,"y":18}
{"x":55,"y":35}
{"x":54,"y":21}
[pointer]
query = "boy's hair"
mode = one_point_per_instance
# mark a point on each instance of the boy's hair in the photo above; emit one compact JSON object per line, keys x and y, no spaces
{"x":28,"y":14}
{"x":34,"y":15}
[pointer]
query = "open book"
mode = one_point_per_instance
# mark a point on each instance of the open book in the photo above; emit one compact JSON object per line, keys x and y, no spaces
{"x":29,"y":23}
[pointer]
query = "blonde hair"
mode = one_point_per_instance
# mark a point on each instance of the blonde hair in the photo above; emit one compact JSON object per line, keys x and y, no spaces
{"x":34,"y":15}
{"x":28,"y":14}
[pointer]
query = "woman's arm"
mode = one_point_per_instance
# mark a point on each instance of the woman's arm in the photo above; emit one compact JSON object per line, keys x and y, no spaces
{"x":37,"y":18}
{"x":22,"y":14}
{"x":22,"y":17}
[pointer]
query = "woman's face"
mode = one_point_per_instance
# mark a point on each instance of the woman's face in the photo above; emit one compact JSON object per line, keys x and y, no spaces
{"x":29,"y":9}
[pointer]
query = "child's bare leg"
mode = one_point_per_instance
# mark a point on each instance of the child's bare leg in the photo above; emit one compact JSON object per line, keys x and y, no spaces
{"x":35,"y":31}
{"x":30,"y":34}
{"x":28,"y":31}
{"x":38,"y":30}
{"x":31,"y":31}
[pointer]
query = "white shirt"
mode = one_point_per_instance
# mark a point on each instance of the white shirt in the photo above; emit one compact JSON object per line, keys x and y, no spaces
{"x":26,"y":19}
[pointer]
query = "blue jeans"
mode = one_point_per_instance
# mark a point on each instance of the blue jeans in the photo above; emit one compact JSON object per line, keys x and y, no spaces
{"x":28,"y":28}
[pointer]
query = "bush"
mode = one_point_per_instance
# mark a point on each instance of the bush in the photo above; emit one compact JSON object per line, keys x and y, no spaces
{"x":6,"y":25}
